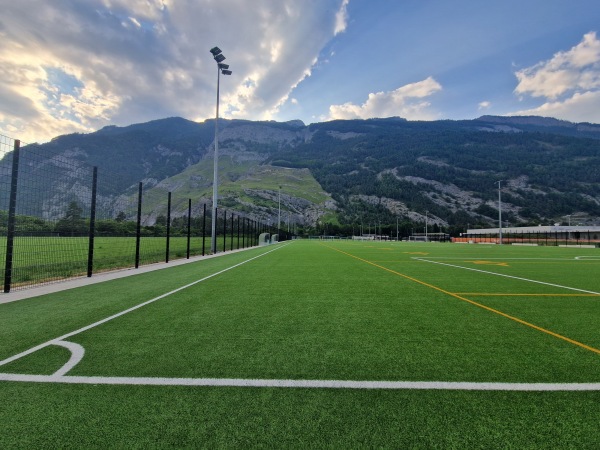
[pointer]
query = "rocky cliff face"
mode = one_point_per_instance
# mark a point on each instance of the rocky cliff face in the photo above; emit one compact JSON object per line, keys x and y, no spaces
{"x":342,"y":170}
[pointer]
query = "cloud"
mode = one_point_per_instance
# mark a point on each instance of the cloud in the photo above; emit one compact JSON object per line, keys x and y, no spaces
{"x":484,"y":105}
{"x":578,"y":68}
{"x":581,"y":107}
{"x":341,"y":18}
{"x":407,"y":101}
{"x":128,"y":61}
{"x":569,"y":83}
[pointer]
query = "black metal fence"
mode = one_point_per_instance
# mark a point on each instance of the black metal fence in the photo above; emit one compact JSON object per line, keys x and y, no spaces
{"x":61,"y":218}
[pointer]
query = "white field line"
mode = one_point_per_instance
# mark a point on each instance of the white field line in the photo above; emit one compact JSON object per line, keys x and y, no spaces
{"x":57,"y":341}
{"x":303,"y":384}
{"x":77,"y":352}
{"x":507,"y":276}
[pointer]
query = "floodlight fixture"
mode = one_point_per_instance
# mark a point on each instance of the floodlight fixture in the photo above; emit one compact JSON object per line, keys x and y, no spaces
{"x":223,"y":66}
{"x":219,"y":58}
{"x":226,"y":72}
{"x":215,"y":51}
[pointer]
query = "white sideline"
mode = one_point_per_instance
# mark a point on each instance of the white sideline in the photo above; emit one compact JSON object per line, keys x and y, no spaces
{"x":507,"y":276}
{"x":122,"y":313}
{"x":304,"y":384}
{"x":78,"y":352}
{"x":72,"y":283}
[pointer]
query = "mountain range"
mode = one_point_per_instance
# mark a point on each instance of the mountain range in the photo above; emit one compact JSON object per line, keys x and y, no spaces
{"x":338,"y":174}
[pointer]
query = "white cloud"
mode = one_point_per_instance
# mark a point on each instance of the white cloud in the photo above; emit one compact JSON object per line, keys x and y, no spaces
{"x":584,"y":107}
{"x":137,"y":60}
{"x":135,"y":22}
{"x":407,"y":101}
{"x":484,"y":105}
{"x":578,"y":68}
{"x":341,"y":18}
{"x":569,"y":83}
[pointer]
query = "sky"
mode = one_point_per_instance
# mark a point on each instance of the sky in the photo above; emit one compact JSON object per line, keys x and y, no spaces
{"x":78,"y":65}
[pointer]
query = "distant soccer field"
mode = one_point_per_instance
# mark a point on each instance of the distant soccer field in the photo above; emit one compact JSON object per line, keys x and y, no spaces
{"x":44,"y":259}
{"x":315,"y":343}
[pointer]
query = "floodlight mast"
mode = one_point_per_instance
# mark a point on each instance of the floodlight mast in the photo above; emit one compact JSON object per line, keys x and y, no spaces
{"x":221,"y":69}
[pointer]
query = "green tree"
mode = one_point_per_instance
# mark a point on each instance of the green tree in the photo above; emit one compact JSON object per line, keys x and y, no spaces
{"x":72,"y":223}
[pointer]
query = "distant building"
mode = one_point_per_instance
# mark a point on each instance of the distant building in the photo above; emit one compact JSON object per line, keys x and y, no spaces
{"x":540,"y":235}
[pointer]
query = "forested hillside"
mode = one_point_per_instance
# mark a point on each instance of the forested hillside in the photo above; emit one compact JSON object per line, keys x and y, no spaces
{"x":451,"y":169}
{"x":378,"y":171}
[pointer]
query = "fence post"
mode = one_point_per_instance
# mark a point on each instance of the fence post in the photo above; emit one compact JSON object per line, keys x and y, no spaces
{"x":189,"y":227}
{"x":232,"y":230}
{"x":224,"y":230}
{"x":238,"y":233}
{"x":168,"y":226}
{"x":90,"y":268}
{"x":203,"y":228}
{"x":244,"y":232}
{"x":12,"y":207}
{"x":138,"y":229}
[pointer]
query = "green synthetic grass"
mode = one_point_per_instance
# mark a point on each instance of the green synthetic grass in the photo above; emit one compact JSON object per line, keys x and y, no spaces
{"x":182,"y":417}
{"x":319,"y":310}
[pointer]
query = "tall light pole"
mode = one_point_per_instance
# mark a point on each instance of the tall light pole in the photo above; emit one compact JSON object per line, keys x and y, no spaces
{"x":426,"y":219}
{"x":499,"y":213}
{"x":221,"y":69}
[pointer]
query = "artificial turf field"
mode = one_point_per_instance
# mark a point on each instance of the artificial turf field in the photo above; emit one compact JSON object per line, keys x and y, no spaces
{"x":315,"y":344}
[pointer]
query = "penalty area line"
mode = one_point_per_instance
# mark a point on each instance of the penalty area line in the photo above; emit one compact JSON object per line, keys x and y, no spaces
{"x":302,"y":384}
{"x":428,"y":260}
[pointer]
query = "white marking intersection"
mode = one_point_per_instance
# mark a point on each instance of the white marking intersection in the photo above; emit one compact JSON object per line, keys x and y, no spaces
{"x":78,"y":352}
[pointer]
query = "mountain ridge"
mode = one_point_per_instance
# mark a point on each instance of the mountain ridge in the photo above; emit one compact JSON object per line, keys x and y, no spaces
{"x":376,"y":170}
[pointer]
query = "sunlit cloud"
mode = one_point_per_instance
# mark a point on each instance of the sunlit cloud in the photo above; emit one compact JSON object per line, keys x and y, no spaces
{"x":578,"y":68}
{"x":408,"y":101}
{"x":569,"y":83}
{"x":129,"y":61}
{"x":584,"y":107}
{"x":341,"y":18}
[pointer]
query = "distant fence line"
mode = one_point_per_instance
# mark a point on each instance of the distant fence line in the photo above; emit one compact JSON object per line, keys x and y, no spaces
{"x":57,"y":221}
{"x":589,"y":238}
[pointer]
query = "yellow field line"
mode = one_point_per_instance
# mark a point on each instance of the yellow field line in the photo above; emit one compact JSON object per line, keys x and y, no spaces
{"x":487,"y":308}
{"x":488,"y":294}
